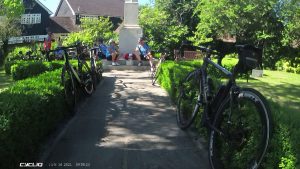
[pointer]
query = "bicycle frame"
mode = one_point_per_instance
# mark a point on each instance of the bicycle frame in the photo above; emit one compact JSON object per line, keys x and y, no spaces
{"x":69,"y":65}
{"x":204,"y":87}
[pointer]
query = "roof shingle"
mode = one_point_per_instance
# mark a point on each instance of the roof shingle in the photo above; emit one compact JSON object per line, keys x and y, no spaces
{"x":62,"y":25}
{"x":113,"y":8}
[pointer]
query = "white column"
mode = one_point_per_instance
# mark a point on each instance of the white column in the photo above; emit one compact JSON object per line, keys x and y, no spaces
{"x":130,"y":31}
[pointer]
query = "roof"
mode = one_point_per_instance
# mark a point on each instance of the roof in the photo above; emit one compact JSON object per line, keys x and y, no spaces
{"x":43,"y":6}
{"x":62,"y":25}
{"x":113,"y":8}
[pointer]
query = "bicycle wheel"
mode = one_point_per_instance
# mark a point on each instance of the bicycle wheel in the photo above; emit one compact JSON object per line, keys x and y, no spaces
{"x":187,"y":103}
{"x":94,"y":75}
{"x":86,"y":76}
{"x":155,"y":74}
{"x":245,"y":128}
{"x":98,"y":74}
{"x":70,"y":90}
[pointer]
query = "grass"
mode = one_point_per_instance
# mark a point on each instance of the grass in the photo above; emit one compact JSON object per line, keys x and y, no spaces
{"x":5,"y":80}
{"x":281,"y":88}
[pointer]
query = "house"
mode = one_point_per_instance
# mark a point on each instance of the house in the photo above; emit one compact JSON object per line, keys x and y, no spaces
{"x":66,"y":19}
{"x":34,"y":22}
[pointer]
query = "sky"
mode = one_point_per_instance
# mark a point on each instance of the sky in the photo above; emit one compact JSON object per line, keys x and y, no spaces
{"x":52,"y":4}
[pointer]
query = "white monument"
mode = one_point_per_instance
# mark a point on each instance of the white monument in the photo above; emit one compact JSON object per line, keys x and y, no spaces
{"x":131,"y":31}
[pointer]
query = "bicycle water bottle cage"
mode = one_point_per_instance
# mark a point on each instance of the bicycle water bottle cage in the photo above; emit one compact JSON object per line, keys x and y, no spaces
{"x":250,"y":58}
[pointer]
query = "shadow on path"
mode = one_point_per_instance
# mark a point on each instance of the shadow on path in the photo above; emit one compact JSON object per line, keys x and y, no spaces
{"x":126,"y":124}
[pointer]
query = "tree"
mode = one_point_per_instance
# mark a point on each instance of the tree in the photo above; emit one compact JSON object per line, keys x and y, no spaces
{"x":91,"y":30}
{"x":181,"y":11}
{"x":100,"y":27}
{"x":290,"y":17}
{"x":258,"y":22}
{"x":10,"y":13}
{"x":159,"y":28}
{"x":11,"y":8}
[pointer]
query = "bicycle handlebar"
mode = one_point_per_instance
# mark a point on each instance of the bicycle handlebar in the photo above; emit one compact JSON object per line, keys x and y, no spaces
{"x":94,"y":48}
{"x":64,"y":48}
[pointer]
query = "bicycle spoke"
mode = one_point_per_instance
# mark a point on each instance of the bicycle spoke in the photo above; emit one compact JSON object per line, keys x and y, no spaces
{"x":246,"y":133}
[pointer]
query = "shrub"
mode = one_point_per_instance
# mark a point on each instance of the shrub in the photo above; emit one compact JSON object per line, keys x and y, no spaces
{"x":20,"y":53}
{"x":280,"y":65}
{"x":24,"y":69}
{"x":297,"y":70}
{"x":290,"y":69}
{"x":29,"y":110}
{"x":8,"y":65}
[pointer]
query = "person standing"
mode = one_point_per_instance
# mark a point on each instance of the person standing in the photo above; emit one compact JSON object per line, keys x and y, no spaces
{"x":47,"y":45}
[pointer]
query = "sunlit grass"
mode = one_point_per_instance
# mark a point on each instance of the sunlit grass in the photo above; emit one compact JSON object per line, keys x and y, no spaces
{"x":281,"y":88}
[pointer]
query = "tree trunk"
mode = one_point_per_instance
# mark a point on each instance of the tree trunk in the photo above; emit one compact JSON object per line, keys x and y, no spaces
{"x":5,"y":47}
{"x":3,"y":51}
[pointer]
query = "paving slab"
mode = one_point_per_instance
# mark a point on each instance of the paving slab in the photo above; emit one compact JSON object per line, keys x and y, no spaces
{"x":126,"y":124}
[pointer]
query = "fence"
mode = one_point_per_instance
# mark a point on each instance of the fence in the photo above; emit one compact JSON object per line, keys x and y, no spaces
{"x":187,"y":55}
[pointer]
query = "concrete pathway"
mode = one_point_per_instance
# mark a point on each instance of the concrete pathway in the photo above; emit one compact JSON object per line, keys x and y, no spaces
{"x":126,"y":124}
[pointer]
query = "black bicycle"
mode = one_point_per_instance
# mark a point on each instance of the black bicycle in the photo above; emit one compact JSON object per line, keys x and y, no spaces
{"x":73,"y":78}
{"x":238,"y":119}
{"x":96,"y":69}
{"x":155,"y":71}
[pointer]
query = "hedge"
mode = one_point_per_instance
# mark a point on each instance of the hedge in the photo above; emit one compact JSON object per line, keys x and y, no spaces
{"x":281,"y":152}
{"x":24,"y":69}
{"x":29,"y":110}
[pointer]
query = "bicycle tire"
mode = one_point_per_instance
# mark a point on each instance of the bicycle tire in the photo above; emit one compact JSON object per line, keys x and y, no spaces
{"x":94,"y":75}
{"x":70,"y":90}
{"x":98,"y":74}
{"x":246,"y":134}
{"x":87,"y":79}
{"x":187,"y":102}
{"x":155,"y":74}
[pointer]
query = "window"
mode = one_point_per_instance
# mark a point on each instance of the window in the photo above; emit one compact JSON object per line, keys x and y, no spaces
{"x":89,"y":16}
{"x":29,"y":19}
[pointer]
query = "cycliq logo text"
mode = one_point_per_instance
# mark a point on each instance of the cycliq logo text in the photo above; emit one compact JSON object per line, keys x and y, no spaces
{"x":31,"y":164}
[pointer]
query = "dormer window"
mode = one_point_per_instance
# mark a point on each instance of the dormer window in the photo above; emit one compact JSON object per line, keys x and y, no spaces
{"x":28,"y":19}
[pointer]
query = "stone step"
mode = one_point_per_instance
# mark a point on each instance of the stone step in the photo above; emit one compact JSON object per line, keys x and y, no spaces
{"x":126,"y":62}
{"x":126,"y":67}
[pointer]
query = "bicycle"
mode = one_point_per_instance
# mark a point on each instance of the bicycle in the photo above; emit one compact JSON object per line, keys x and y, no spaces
{"x":72,"y":77}
{"x":238,"y":119}
{"x":96,"y":70}
{"x":156,"y":69}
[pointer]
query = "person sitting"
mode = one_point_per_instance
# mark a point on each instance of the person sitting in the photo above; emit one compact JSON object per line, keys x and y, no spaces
{"x":113,"y":53}
{"x":102,"y":50}
{"x":59,"y":54}
{"x":143,"y":52}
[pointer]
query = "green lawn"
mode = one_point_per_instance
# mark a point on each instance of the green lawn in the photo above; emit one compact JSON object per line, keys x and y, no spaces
{"x":5,"y":80}
{"x":282,"y":89}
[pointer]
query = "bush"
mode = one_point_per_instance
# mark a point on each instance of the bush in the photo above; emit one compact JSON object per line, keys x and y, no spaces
{"x":29,"y":110}
{"x":8,"y":65}
{"x":24,"y":69}
{"x":21,"y":53}
{"x":297,"y":70}
{"x":280,"y":65}
{"x":281,"y":152}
